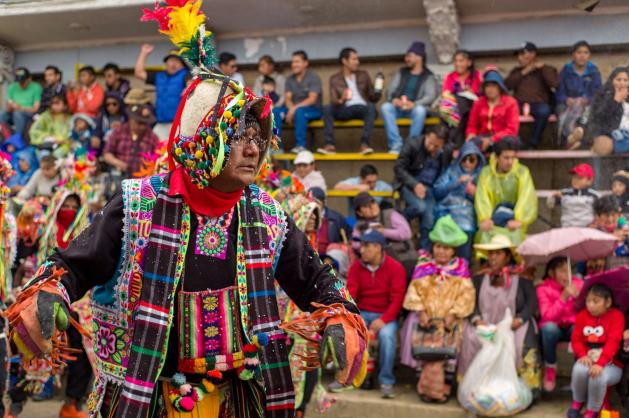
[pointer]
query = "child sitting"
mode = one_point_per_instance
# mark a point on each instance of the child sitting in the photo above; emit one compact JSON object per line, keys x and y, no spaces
{"x":596,"y":339}
{"x":576,"y":201}
{"x":82,"y":133}
{"x":556,"y":297}
{"x":620,"y":185}
{"x":268,"y":89}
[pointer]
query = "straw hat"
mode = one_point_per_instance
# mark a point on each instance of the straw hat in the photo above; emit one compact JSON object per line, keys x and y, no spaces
{"x":136,"y":96}
{"x":497,"y":242}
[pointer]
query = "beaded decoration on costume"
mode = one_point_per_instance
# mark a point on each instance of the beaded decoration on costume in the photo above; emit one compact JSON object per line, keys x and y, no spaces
{"x":213,"y":235}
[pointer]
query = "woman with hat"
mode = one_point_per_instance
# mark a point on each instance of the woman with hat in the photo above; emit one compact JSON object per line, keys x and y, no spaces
{"x":499,"y":286}
{"x":494,"y":115}
{"x":439,"y":297}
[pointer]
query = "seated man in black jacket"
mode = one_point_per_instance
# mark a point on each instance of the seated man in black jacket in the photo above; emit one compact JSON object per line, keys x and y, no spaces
{"x":420,"y":163}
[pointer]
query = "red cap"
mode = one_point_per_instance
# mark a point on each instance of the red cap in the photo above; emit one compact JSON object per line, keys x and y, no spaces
{"x":583,"y":170}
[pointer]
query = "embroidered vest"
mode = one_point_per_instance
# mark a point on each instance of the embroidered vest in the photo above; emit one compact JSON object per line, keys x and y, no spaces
{"x":115,"y":304}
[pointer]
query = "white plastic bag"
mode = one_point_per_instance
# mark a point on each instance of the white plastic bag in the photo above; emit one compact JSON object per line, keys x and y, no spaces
{"x":491,"y":386}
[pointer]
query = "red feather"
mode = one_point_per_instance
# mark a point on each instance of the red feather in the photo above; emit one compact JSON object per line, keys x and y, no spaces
{"x":267,"y":107}
{"x":160,"y":15}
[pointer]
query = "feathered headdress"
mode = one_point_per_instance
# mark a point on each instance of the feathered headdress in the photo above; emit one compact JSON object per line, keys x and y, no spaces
{"x":213,"y":108}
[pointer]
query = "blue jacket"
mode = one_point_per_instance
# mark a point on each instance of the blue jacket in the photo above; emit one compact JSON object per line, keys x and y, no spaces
{"x":18,"y":143}
{"x":22,"y":177}
{"x":168,"y":89}
{"x":451,"y":195}
{"x":572,"y":84}
{"x":336,"y":223}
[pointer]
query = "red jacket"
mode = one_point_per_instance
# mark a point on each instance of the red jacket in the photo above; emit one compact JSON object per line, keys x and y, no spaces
{"x":381,"y":291}
{"x":604,"y":331}
{"x":503,"y":120}
{"x":551,"y":307}
{"x":88,"y":100}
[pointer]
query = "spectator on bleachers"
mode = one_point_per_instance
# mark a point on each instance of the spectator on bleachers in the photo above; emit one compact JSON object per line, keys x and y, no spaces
{"x":367,"y":180}
{"x":169,"y":85}
{"x":352,"y":96}
{"x":620,"y":189}
{"x":306,"y":172}
{"x":268,"y":68}
{"x":390,"y":223}
{"x":82,"y":133}
{"x":533,"y":83}
{"x":52,"y":128}
{"x":377,"y":283}
{"x":609,"y":120}
{"x":23,"y":101}
{"x":576,"y":201}
{"x":228,"y":65}
{"x":53,"y":86}
{"x":506,"y":201}
{"x":12,"y":145}
{"x":43,"y":182}
{"x":440,"y":296}
{"x":461,"y":88}
{"x":334,"y":228}
{"x":269,"y":88}
{"x":556,"y":297}
{"x":303,"y":98}
{"x":112,"y":116}
{"x":114,"y":81}
{"x":454,"y":192}
{"x":126,"y":145}
{"x":86,"y":97}
{"x":27,"y":164}
{"x":499,"y":287}
{"x":411,"y":92}
{"x":606,"y":219}
{"x":596,"y":339}
{"x":579,"y":80}
{"x":494,"y":115}
{"x":418,"y":166}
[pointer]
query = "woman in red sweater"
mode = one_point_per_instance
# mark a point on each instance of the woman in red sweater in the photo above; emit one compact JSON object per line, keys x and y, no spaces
{"x":595,"y":340}
{"x":495,"y":115}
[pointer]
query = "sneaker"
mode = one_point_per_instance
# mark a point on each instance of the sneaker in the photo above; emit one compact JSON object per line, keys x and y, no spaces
{"x":387,"y":391}
{"x":365,"y":149}
{"x":327,"y":150}
{"x":297,"y":150}
{"x":576,"y":135}
{"x":573,"y":413}
{"x":70,"y":410}
{"x":576,"y":145}
{"x":394,"y":151}
{"x":550,"y":377}
{"x":336,"y":387}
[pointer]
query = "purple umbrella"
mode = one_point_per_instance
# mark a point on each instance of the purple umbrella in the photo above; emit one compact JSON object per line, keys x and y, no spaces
{"x":617,"y":280}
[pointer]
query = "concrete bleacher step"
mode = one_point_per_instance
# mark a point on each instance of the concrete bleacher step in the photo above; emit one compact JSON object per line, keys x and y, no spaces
{"x":369,"y":404}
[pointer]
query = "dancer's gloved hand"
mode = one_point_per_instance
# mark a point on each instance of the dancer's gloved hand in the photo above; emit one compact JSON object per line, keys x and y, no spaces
{"x":42,"y":314}
{"x":345,"y":340}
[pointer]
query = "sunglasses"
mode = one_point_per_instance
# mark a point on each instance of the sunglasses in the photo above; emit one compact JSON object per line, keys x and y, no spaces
{"x":112,"y":104}
{"x":470,"y":159}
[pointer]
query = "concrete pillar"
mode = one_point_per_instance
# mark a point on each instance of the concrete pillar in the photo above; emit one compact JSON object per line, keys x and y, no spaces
{"x":443,"y":27}
{"x":7,"y":61}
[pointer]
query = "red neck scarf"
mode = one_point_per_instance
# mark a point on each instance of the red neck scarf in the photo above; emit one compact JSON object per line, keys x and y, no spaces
{"x":208,"y":201}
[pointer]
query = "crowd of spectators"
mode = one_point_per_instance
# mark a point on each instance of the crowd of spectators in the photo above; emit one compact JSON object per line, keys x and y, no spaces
{"x":460,"y":180}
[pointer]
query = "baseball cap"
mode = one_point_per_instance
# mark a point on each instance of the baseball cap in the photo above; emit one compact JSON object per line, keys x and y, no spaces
{"x":304,"y":157}
{"x":583,"y":170}
{"x":362,"y":199}
{"x":527,"y":46}
{"x":21,"y":74}
{"x":374,"y":237}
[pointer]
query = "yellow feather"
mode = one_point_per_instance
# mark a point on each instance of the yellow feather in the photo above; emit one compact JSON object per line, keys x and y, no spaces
{"x":184,"y":23}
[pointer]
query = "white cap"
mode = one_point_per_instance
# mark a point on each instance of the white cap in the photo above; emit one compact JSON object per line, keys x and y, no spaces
{"x":304,"y":157}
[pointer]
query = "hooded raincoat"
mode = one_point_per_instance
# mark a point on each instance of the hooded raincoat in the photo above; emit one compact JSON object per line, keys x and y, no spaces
{"x":452,"y":196}
{"x":514,"y":188}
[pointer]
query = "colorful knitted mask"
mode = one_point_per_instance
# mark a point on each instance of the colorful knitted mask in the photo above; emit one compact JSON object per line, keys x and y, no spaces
{"x":213,"y":109}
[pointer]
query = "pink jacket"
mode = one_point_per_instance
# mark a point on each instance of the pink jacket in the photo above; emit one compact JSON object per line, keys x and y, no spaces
{"x":551,"y":307}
